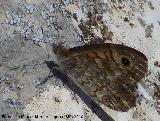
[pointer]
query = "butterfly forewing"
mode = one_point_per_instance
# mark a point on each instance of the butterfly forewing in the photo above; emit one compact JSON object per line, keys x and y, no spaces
{"x":106,"y":73}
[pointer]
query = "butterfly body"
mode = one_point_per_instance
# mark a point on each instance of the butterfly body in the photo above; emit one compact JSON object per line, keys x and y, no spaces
{"x":108,"y":73}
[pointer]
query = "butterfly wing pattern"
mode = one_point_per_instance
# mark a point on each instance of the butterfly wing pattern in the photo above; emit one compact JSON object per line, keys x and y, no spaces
{"x":108,"y":73}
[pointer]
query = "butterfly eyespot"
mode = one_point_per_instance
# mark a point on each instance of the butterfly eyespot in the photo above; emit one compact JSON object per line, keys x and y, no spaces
{"x":125,"y":61}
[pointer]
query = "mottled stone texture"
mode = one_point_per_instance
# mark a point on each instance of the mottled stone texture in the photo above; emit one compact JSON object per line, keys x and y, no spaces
{"x":27,"y":29}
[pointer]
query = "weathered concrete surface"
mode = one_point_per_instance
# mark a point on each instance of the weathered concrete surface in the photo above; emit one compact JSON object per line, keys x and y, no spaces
{"x":29,"y":26}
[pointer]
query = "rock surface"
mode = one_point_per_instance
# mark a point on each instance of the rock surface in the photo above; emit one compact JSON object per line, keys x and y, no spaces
{"x":27,"y":29}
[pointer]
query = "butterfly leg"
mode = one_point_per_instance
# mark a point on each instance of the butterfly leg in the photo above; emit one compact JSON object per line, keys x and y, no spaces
{"x":54,"y":67}
{"x":73,"y":89}
{"x":46,"y":79}
{"x":51,"y":65}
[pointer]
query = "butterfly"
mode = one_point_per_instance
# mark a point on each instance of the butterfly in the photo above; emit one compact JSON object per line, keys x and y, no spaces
{"x":108,"y":73}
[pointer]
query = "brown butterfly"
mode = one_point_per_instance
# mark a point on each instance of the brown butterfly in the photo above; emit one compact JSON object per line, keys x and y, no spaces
{"x":108,"y":73}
